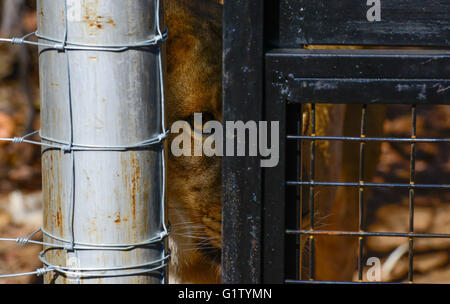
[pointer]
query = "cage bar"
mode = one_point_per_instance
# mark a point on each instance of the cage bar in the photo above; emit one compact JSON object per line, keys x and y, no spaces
{"x":411,"y":192}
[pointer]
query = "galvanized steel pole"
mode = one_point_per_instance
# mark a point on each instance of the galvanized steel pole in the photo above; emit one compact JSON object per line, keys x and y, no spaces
{"x":101,"y":198}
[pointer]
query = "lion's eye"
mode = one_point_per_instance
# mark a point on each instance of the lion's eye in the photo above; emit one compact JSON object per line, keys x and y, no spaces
{"x":207,"y":116}
{"x":201,"y":117}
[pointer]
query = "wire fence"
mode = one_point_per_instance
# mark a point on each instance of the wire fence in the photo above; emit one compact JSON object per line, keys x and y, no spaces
{"x":309,"y":184}
{"x":70,"y":147}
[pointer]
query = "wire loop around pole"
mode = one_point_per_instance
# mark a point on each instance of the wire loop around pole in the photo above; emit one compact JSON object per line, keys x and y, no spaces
{"x":62,"y":45}
{"x":70,"y":146}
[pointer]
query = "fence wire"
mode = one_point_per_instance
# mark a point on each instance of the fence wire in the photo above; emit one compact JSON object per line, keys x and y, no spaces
{"x":311,"y":184}
{"x":71,"y":147}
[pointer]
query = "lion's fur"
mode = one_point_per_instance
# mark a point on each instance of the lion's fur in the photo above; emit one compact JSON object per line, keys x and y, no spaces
{"x":194,"y":84}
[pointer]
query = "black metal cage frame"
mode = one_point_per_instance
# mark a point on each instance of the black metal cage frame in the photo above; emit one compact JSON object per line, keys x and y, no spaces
{"x":267,"y":69}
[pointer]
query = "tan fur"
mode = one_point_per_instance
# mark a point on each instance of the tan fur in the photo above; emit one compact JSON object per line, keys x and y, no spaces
{"x":194,"y":84}
{"x":337,"y":208}
{"x":194,"y":78}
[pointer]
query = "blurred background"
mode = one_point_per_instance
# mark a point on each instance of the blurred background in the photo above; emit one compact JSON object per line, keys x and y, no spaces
{"x":387,"y":209}
{"x":20,"y":173}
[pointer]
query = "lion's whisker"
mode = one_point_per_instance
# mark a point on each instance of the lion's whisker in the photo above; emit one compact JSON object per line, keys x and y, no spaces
{"x":195,"y":237}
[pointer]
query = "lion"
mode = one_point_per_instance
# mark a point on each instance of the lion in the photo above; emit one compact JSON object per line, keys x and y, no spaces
{"x":194,"y":85}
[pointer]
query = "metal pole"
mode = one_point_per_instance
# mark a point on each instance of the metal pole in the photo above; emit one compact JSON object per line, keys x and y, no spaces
{"x":96,"y":202}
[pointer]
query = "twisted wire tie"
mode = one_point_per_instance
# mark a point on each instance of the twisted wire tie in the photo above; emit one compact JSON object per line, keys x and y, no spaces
{"x":163,"y":234}
{"x":18,"y":140}
{"x":162,"y":136}
{"x":42,"y":271}
{"x":22,"y":241}
{"x":66,"y":148}
{"x":60,"y":47}
{"x":17,"y":40}
{"x":69,"y":248}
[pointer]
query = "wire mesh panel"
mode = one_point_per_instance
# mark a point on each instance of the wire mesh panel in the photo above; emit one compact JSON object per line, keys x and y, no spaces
{"x":310,"y":186}
{"x":324,"y":214}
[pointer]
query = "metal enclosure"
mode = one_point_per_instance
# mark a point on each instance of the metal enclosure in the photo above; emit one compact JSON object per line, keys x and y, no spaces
{"x":270,"y":75}
{"x":115,"y":101}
